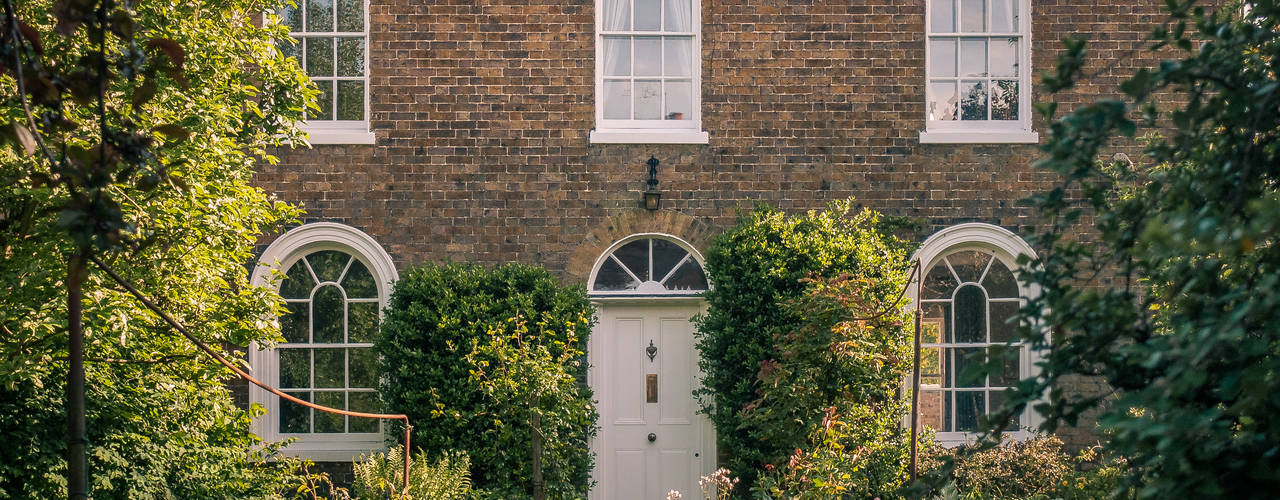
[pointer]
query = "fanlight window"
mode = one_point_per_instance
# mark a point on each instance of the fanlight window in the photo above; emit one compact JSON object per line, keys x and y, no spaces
{"x":968,"y":299}
{"x":327,"y":354}
{"x":650,"y":266}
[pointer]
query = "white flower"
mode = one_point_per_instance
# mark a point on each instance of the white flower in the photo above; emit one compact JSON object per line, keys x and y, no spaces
{"x":673,"y":495}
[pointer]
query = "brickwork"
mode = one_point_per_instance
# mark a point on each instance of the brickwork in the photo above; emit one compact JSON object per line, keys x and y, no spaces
{"x":482,"y":112}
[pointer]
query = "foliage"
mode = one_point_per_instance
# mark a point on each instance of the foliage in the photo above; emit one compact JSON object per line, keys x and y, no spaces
{"x":165,"y":199}
{"x":381,"y":475}
{"x":1036,"y":468}
{"x":1174,"y":305}
{"x":459,"y":359}
{"x":759,"y":265}
{"x":849,"y":356}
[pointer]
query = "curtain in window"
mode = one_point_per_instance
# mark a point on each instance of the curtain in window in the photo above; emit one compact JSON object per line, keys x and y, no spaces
{"x":617,"y":15}
{"x":679,"y":15}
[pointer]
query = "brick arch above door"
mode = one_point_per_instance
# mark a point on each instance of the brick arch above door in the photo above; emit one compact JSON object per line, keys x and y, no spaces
{"x":696,"y":232}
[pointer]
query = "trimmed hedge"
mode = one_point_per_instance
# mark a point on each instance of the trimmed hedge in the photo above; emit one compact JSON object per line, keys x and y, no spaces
{"x":758,"y":265}
{"x":468,"y":353}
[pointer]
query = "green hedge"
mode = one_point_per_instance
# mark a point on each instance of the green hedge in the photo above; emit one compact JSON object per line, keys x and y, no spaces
{"x":758,"y":265}
{"x":468,"y":353}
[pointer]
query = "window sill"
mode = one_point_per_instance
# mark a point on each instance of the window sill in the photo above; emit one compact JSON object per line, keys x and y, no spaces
{"x":343,"y":135}
{"x":333,"y":450}
{"x":990,"y":137}
{"x":645,"y":136}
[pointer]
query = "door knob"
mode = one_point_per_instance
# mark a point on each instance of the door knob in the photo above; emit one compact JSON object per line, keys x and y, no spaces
{"x":652,"y":437}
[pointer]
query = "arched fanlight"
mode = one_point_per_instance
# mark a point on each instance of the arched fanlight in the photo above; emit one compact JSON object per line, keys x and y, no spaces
{"x":649,"y":266}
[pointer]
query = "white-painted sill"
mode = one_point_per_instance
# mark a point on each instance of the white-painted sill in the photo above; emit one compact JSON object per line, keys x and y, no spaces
{"x":991,"y":137}
{"x":320,"y":451}
{"x":333,"y":135}
{"x":643,"y":136}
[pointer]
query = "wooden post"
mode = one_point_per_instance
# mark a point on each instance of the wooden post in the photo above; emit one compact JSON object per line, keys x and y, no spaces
{"x":77,"y":442}
{"x":539,"y":493}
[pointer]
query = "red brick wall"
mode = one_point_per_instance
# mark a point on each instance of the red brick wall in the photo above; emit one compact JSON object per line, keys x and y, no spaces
{"x":482,"y":112}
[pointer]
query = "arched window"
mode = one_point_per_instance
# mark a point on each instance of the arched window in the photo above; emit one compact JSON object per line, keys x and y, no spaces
{"x":970,"y":298}
{"x":649,"y":264}
{"x":335,"y":281}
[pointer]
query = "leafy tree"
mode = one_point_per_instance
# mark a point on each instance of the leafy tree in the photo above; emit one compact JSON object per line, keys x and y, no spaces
{"x":472,"y":354}
{"x":129,"y":133}
{"x":759,"y":265}
{"x":1175,"y":302}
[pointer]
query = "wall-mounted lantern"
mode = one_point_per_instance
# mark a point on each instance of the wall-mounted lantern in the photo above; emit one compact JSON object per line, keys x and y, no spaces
{"x":652,"y":198}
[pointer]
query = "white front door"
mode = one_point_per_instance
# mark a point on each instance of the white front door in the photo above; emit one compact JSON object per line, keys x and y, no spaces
{"x":652,"y":440}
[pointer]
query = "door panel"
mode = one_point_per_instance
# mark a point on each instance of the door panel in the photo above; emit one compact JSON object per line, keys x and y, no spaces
{"x":631,"y":466}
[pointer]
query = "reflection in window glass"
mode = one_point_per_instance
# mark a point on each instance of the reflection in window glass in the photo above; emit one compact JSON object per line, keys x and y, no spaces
{"x":974,"y":77}
{"x":330,"y":44}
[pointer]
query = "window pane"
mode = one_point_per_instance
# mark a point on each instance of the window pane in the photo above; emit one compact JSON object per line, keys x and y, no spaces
{"x":973,"y":103}
{"x":970,"y":407}
{"x":350,"y":57}
{"x":364,"y":368}
{"x":648,"y":15}
{"x":1004,"y":100}
{"x":676,"y":59}
{"x":295,"y":368}
{"x":617,"y":56}
{"x":319,"y":56}
{"x":1004,"y":326}
{"x":942,"y":57}
{"x":964,"y":358}
{"x":635,"y":256}
{"x":295,"y":418}
{"x":330,"y":368}
{"x":679,"y":102}
{"x":1004,"y":56}
{"x":931,"y":409}
{"x":648,"y":61}
{"x":997,"y":402}
{"x":350,"y":15}
{"x":666,"y":255}
{"x":291,"y":47}
{"x":358,"y":283}
{"x":350,"y":100}
{"x":931,"y":366}
{"x":327,"y":315}
{"x":328,"y":264}
{"x":973,"y":16}
{"x":295,"y":325}
{"x":1004,"y":16}
{"x":324,"y":101}
{"x":942,"y":16}
{"x":291,"y":17}
{"x":942,"y":103}
{"x":678,"y":15}
{"x":688,"y":277}
{"x":330,"y":422}
{"x":617,"y":100}
{"x":973,"y":57}
{"x":969,"y":264}
{"x":365,"y":402}
{"x":362,"y":321}
{"x":297,"y":283}
{"x":970,"y":314}
{"x":938,"y":314}
{"x":617,"y":15}
{"x":938,"y":283}
{"x":999,"y":282}
{"x":648,"y":100}
{"x":611,"y":277}
{"x":319,"y":15}
{"x":1009,"y":372}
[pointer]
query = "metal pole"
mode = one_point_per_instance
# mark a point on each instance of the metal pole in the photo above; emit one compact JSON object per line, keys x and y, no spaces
{"x":539,"y":492}
{"x":407,"y":429}
{"x":77,"y":442}
{"x":915,"y":380}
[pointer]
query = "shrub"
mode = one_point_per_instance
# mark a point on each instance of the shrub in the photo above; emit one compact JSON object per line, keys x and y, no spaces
{"x":381,"y":475}
{"x":1037,"y":468}
{"x":838,"y":382}
{"x":759,"y":265}
{"x":470,"y":375}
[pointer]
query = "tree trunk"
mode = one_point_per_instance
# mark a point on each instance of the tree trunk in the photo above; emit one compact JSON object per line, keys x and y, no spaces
{"x":77,"y":442}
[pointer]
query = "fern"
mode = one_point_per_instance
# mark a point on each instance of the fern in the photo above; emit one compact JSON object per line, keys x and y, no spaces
{"x":381,"y":475}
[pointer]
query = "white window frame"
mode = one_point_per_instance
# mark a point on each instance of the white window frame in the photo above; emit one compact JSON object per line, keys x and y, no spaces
{"x":340,"y":131}
{"x":263,"y":360}
{"x":648,"y":289}
{"x":983,"y":131}
{"x":650,"y":131}
{"x":1006,"y":247}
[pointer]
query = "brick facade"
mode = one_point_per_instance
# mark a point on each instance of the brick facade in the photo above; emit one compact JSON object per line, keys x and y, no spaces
{"x":482,"y":111}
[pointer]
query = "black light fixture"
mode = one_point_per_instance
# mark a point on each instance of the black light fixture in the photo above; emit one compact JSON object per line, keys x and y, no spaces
{"x":652,"y":198}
